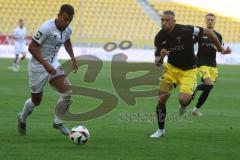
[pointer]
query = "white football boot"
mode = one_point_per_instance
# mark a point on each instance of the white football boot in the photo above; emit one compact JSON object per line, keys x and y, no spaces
{"x":159,"y":133}
{"x":197,"y":112}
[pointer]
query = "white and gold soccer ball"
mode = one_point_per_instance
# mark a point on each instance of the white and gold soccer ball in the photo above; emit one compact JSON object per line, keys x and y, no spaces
{"x":79,"y":135}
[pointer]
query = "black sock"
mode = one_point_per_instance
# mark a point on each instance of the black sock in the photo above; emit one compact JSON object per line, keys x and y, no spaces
{"x":204,"y":95}
{"x":161,"y":114}
{"x":201,"y":87}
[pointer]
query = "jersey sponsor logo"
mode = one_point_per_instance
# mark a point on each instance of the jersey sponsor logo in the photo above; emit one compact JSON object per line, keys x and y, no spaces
{"x":179,"y":39}
{"x":177,"y":48}
{"x":38,"y":35}
{"x":211,"y":45}
{"x":163,"y":42}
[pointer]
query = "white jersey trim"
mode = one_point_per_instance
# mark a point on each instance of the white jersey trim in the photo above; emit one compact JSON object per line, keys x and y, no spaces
{"x":196,"y":31}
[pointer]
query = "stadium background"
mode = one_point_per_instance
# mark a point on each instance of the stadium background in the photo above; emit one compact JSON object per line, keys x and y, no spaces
{"x":122,"y":134}
{"x":97,"y":22}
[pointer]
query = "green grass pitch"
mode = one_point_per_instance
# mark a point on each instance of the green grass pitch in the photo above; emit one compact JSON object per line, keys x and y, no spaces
{"x":117,"y":136}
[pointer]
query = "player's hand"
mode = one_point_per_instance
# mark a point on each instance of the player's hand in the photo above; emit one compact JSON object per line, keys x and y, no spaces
{"x":158,"y":61}
{"x":226,"y":51}
{"x":50,"y":69}
{"x":74,"y":65}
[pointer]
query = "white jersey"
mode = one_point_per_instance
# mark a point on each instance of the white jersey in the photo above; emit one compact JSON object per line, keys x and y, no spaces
{"x":50,"y":40}
{"x":20,"y":34}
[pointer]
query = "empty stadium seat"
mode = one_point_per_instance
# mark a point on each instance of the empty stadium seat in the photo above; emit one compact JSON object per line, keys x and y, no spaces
{"x":195,"y":16}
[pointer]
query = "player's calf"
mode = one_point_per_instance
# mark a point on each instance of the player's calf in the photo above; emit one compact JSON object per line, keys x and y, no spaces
{"x":161,"y":115}
{"x":62,"y":106}
{"x":203,"y":97}
{"x":28,"y":108}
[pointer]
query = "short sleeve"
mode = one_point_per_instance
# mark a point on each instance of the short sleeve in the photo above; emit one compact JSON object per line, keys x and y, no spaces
{"x":41,"y":34}
{"x":194,"y":31}
{"x":69,"y":33}
{"x":197,"y":31}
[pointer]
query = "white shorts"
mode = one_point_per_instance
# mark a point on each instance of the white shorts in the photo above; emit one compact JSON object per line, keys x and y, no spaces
{"x":37,"y":80}
{"x":20,"y":48}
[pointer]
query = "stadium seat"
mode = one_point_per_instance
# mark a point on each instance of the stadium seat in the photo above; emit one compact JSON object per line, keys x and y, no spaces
{"x":108,"y":19}
{"x":195,"y":16}
{"x":34,"y":13}
{"x":93,"y":18}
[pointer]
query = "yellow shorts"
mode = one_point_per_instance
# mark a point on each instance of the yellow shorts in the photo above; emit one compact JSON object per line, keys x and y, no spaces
{"x":172,"y":76}
{"x":208,"y":72}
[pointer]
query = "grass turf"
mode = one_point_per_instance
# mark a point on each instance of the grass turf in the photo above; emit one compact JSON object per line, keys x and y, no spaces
{"x":123,"y":133}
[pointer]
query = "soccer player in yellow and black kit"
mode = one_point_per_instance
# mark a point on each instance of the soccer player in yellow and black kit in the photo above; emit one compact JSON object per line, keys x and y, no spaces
{"x":177,"y":42}
{"x":206,"y":62}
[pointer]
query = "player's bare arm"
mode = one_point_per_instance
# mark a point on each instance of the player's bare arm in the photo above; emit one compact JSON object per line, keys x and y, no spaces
{"x":210,"y":34}
{"x":34,"y":50}
{"x":159,"y":59}
{"x":68,"y":47}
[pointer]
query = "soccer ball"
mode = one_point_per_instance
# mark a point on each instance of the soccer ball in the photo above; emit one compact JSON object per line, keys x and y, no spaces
{"x":79,"y":135}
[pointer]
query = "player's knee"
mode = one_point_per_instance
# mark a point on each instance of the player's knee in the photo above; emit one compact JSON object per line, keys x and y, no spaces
{"x":184,"y":100}
{"x":162,"y":98}
{"x":36,"y":98}
{"x":36,"y":102}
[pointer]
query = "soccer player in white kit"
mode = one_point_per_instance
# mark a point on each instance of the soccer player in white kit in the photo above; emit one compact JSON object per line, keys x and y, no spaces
{"x":44,"y":66}
{"x":19,"y":35}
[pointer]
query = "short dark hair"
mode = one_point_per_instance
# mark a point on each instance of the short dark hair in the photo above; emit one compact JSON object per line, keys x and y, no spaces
{"x":210,"y":14}
{"x":67,"y":8}
{"x":169,"y":12}
{"x":20,"y":20}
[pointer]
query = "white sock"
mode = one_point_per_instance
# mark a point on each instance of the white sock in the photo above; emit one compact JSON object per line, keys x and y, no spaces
{"x":14,"y":65}
{"x":57,"y":120}
{"x":27,"y":109}
{"x":60,"y":109}
{"x":18,"y":60}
